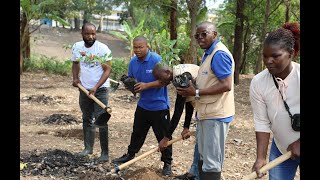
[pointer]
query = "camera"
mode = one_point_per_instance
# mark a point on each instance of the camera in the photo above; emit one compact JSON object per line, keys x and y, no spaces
{"x":295,"y":122}
{"x":182,"y":80}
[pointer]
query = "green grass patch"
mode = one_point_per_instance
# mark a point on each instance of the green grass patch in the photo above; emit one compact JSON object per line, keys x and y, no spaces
{"x":48,"y":64}
{"x":63,"y":67}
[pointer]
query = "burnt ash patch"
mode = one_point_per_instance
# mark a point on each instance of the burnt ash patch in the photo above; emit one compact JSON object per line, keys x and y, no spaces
{"x":60,"y":163}
{"x":127,"y":98}
{"x":60,"y":119}
{"x":43,"y":99}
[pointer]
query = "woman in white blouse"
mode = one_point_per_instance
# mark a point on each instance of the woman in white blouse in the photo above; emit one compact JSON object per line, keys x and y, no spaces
{"x":270,"y":90}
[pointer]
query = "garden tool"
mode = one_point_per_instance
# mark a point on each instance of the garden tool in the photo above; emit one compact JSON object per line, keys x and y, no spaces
{"x":122,"y":166}
{"x":116,"y":86}
{"x":103,"y":118}
{"x":269,"y":166}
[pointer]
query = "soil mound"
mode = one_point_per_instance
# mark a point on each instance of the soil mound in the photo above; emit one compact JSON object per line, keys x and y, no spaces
{"x":144,"y":174}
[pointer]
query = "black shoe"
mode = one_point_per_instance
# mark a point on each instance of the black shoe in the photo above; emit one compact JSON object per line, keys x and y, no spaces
{"x":186,"y":176}
{"x":124,"y":158}
{"x":166,"y":171}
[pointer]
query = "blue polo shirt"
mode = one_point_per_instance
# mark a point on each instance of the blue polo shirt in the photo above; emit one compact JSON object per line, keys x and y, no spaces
{"x":221,"y":66}
{"x":153,"y":99}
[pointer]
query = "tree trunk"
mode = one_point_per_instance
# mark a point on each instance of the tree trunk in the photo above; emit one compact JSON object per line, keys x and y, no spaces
{"x":76,"y":23}
{"x":100,"y":28}
{"x":71,"y":27}
{"x":238,"y":39}
{"x":258,"y":67}
{"x":246,"y":46}
{"x":173,"y":21}
{"x":23,"y":25}
{"x":85,"y":17}
{"x":287,"y":4}
{"x":24,"y":41}
{"x":193,"y":6}
{"x":27,"y":42}
{"x":130,"y":14}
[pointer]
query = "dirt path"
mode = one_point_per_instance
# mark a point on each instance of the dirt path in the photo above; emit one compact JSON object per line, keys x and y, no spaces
{"x":51,"y":129}
{"x":50,"y":42}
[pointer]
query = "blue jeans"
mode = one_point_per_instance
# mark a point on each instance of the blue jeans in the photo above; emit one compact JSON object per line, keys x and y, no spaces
{"x":284,"y":171}
{"x":194,"y":166}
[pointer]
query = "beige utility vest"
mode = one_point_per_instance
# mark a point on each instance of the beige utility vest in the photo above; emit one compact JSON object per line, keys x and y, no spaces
{"x":219,"y":105}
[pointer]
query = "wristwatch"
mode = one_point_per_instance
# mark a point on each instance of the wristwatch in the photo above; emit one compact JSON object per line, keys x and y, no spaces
{"x":197,"y":94}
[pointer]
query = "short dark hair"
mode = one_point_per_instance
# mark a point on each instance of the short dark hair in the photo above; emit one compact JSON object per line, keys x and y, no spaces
{"x":87,"y":24}
{"x":140,"y":38}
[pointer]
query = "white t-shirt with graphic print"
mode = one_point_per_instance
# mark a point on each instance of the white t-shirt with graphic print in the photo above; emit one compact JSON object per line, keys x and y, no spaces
{"x":90,"y":62}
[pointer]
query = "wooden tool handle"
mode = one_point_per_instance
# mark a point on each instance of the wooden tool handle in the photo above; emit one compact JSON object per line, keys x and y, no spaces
{"x":95,"y":99}
{"x":122,"y":166}
{"x":114,"y":81}
{"x":269,"y":166}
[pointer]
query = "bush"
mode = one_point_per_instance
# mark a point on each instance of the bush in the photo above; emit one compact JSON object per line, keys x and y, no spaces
{"x":119,"y":67}
{"x":48,"y":64}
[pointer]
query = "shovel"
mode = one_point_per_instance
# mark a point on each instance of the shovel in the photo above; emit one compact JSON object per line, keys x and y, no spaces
{"x":269,"y":166}
{"x":122,"y":166}
{"x":116,"y":86}
{"x":102,"y":120}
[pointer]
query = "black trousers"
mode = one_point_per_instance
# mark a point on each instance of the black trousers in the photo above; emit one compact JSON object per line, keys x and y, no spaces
{"x":143,"y":120}
{"x":178,"y":110}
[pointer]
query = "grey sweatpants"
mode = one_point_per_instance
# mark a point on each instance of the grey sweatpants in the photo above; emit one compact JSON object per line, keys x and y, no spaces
{"x":211,"y":137}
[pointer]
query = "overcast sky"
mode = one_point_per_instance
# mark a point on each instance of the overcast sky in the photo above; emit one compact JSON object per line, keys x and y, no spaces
{"x":211,"y":4}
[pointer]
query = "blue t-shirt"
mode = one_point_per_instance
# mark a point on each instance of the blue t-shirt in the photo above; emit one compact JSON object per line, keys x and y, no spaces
{"x":153,"y":99}
{"x":221,"y":66}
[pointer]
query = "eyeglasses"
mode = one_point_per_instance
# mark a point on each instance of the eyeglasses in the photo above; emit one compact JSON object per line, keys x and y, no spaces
{"x":202,"y":34}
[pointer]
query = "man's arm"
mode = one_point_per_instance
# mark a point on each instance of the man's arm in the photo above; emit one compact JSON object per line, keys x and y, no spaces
{"x":106,"y":72}
{"x":75,"y":73}
{"x":178,"y":110}
{"x":140,"y":86}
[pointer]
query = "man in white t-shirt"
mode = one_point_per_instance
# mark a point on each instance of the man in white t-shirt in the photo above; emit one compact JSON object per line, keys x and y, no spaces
{"x":91,"y":68}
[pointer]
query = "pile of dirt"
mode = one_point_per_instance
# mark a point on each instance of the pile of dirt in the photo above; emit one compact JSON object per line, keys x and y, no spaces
{"x":60,"y":119}
{"x":144,"y":174}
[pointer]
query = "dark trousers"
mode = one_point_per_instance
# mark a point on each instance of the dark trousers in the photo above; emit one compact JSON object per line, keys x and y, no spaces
{"x":180,"y":103}
{"x":91,"y":109}
{"x":159,"y":121}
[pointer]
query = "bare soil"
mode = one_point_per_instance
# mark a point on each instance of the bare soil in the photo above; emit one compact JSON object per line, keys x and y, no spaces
{"x":51,"y":126}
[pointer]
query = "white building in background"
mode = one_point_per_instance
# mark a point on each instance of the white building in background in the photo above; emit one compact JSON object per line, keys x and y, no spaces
{"x":112,"y":21}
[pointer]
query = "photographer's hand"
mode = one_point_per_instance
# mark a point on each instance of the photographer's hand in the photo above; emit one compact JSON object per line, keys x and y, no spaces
{"x":189,"y":91}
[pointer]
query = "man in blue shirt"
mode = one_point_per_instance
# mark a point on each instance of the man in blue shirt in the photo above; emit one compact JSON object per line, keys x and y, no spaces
{"x":153,"y":105}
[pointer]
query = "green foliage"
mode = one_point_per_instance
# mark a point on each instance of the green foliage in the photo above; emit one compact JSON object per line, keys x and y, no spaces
{"x":164,"y":47}
{"x":155,"y":19}
{"x":119,"y":67}
{"x":67,"y":46}
{"x":130,"y":33}
{"x":48,"y":64}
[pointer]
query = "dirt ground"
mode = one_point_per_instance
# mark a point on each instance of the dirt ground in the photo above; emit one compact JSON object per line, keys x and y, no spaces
{"x":51,"y":128}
